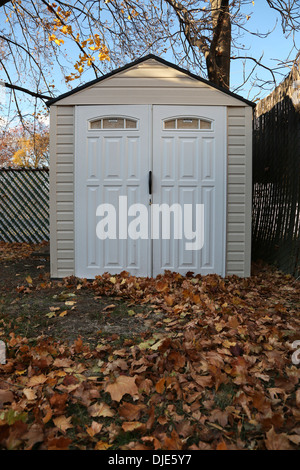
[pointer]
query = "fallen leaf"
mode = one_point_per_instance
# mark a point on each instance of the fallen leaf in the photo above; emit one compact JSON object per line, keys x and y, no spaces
{"x":160,"y":386}
{"x":64,"y":313}
{"x":221,"y":446}
{"x":130,"y":426}
{"x":277,"y":441}
{"x":36,"y":380}
{"x":29,"y":393}
{"x":102,"y":445}
{"x":34,"y":435}
{"x":58,"y":443}
{"x":130,"y":411}
{"x":121,"y":386}
{"x":94,"y":429}
{"x":101,"y":409}
{"x":63,"y":423}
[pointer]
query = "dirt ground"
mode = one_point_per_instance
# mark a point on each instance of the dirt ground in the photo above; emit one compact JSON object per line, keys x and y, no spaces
{"x":64,"y":312}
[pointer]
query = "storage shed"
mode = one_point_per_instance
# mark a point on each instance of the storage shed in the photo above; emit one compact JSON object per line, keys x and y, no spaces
{"x":146,"y":135}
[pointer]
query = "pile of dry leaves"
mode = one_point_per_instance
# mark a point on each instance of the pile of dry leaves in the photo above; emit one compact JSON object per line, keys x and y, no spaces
{"x":218,"y":375}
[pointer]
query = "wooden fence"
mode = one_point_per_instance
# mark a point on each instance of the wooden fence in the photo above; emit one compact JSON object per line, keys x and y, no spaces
{"x":276,"y":178}
{"x":24,"y":205}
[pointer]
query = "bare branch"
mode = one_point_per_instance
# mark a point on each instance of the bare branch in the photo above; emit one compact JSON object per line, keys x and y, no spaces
{"x":28,"y":92}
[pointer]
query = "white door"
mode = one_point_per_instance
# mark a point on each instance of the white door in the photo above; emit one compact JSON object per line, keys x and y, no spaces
{"x":185,"y":148}
{"x":112,"y":160}
{"x":189,"y":168}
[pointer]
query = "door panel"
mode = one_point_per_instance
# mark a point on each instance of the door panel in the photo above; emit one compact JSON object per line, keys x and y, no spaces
{"x":189,"y":167}
{"x":110,"y":162}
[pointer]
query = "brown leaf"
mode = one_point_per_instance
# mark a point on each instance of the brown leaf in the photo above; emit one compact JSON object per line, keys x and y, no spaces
{"x":298,"y":398}
{"x":205,"y":381}
{"x":94,"y":429}
{"x":295,"y":439}
{"x":220,"y":416}
{"x":58,"y":402}
{"x":129,"y":426}
{"x":156,"y":443}
{"x":102,"y":445}
{"x":42,"y":362}
{"x":151,"y":418}
{"x":36,"y":380}
{"x":62,"y":362}
{"x":169,"y":299}
{"x":63,"y":423}
{"x":100,"y":409}
{"x":58,"y":443}
{"x":160,"y":386}
{"x":173,"y":442}
{"x":221,"y":446}
{"x":121,"y":386}
{"x":177,"y":359}
{"x":236,"y":350}
{"x":130,"y":411}
{"x":16,"y":432}
{"x":29,"y":393}
{"x":78,"y":344}
{"x":34,"y":435}
{"x":277,"y":441}
{"x":185,"y":429}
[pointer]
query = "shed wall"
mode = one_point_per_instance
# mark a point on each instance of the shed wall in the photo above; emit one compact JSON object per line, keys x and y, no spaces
{"x":239,"y":191}
{"x":62,"y":253}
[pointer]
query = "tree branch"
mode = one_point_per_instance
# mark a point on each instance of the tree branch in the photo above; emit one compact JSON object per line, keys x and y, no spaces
{"x":25,"y":90}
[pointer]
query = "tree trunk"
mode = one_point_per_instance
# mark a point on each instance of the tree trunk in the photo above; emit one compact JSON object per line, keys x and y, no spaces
{"x":218,"y":57}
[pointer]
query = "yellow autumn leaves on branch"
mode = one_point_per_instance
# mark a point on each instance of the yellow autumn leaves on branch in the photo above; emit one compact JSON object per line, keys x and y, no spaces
{"x":94,"y":43}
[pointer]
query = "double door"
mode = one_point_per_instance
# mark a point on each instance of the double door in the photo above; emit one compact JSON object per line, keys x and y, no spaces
{"x":149,"y":189}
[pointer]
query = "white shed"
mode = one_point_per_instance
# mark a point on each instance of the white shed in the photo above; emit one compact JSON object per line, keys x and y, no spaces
{"x":151,"y":134}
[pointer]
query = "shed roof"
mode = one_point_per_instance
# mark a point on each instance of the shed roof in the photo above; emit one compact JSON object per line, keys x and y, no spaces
{"x":139,"y":61}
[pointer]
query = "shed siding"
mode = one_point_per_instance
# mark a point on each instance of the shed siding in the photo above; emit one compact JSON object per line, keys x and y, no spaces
{"x":62,"y":191}
{"x":239,"y":182}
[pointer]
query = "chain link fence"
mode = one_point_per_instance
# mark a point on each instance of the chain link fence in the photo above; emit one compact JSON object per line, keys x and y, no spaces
{"x":24,"y":205}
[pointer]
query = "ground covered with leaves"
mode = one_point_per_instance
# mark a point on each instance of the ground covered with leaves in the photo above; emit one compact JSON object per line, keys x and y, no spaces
{"x":194,"y":362}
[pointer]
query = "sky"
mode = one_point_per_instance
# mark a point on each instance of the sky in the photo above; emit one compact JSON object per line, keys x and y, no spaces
{"x":275,"y":48}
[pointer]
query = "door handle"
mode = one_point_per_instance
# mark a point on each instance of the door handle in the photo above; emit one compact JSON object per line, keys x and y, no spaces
{"x":150,"y":182}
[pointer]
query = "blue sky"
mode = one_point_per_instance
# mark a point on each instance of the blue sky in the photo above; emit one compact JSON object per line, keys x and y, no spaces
{"x":275,"y":48}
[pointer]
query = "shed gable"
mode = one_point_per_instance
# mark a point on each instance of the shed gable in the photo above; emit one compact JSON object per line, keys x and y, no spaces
{"x":150,"y":82}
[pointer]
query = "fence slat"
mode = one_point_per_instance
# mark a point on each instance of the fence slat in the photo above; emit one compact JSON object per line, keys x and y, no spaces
{"x":276,"y":181}
{"x":24,"y":205}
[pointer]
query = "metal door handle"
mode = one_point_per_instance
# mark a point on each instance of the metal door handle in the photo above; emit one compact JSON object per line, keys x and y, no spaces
{"x":150,"y":182}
